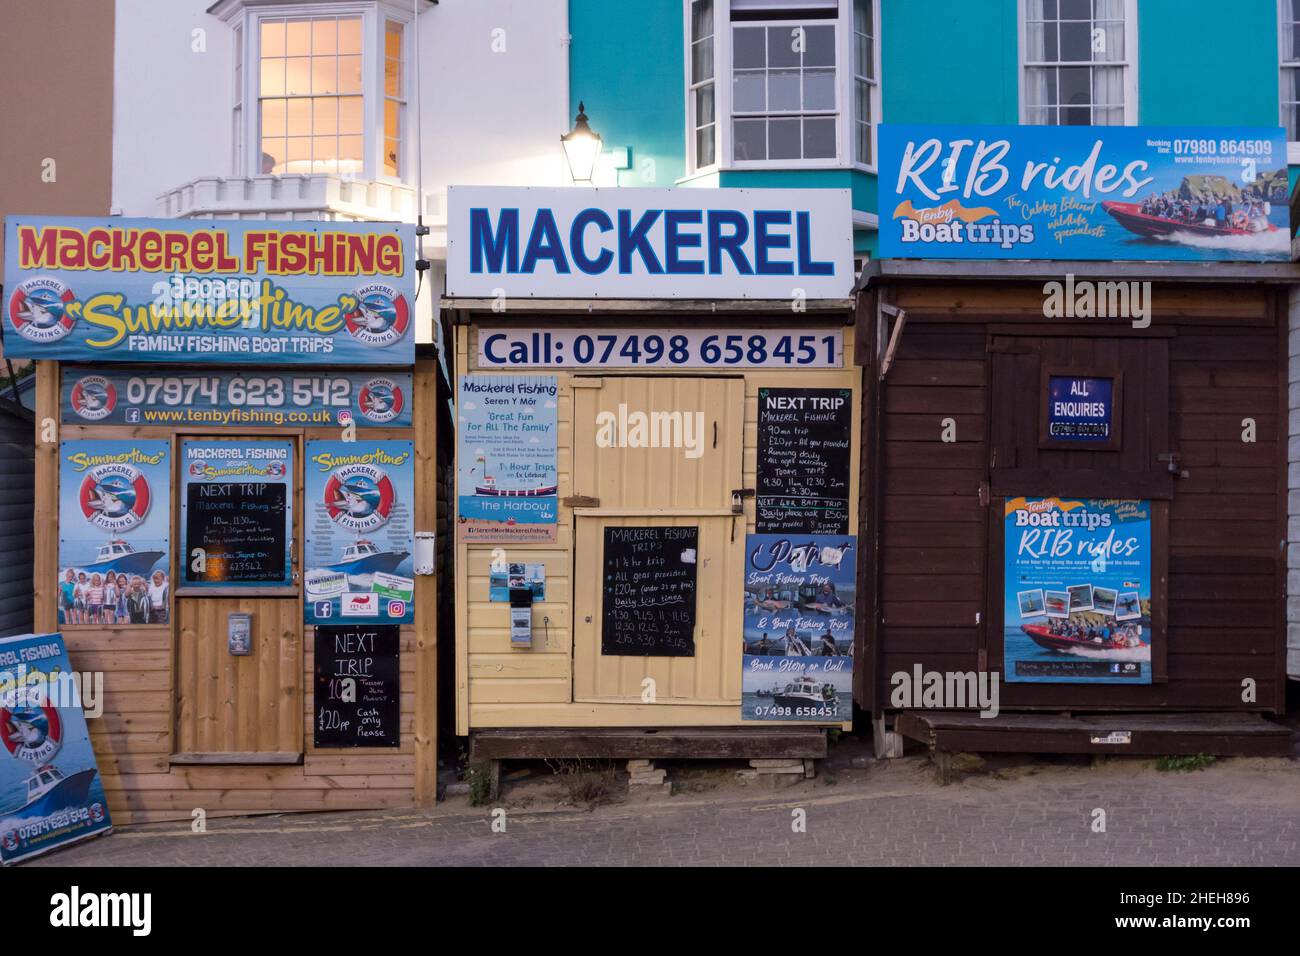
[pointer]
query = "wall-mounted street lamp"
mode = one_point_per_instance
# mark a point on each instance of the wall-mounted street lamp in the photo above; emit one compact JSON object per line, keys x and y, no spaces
{"x":581,"y":147}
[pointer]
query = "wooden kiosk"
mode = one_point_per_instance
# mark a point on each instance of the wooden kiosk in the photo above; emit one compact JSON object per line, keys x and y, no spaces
{"x":597,"y":661}
{"x":211,"y":484}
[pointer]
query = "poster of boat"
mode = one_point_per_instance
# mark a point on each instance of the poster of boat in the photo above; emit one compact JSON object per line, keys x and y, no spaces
{"x":798,"y":628}
{"x":508,"y":473}
{"x":1084,"y":192}
{"x":114,"y":532}
{"x":1078,"y":591}
{"x":359,"y":530}
{"x":51,"y":793}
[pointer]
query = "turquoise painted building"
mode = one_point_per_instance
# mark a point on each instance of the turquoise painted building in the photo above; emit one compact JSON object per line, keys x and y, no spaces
{"x":780,"y":93}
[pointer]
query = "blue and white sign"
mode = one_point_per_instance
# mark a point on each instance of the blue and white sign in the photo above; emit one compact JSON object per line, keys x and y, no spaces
{"x":108,"y":396}
{"x":1077,"y":582}
{"x":1080,"y":409}
{"x":51,"y":793}
{"x":1083,"y":192}
{"x":798,"y":629}
{"x":247,"y":292}
{"x":507,"y":466}
{"x":516,"y":242}
{"x":359,"y":530}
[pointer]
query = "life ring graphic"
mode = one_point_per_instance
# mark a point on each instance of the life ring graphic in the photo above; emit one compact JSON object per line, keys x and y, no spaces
{"x":93,"y":397}
{"x":380,"y":400}
{"x":115,"y":497}
{"x":359,"y":497}
{"x":376,"y":315}
{"x":31,"y":733}
{"x":38,"y":309}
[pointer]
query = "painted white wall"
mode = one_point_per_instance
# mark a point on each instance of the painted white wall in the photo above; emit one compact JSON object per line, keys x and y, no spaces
{"x":171,"y":105}
{"x":493,"y":85}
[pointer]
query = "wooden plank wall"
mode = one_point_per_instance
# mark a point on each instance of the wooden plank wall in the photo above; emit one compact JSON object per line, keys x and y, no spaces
{"x":16,"y":549}
{"x":1226,"y":585}
{"x":497,"y":686}
{"x":135,"y":737}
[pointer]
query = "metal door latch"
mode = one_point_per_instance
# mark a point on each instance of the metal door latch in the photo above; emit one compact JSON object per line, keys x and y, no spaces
{"x":1172,"y":457}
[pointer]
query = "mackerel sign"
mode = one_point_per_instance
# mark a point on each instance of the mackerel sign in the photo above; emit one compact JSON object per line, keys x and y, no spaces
{"x":649,"y":243}
{"x":245,"y":292}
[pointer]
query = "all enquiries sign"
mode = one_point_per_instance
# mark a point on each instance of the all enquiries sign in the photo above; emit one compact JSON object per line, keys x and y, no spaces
{"x":649,"y":243}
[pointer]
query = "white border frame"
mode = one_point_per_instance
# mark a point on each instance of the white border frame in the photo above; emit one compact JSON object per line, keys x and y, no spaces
{"x":1132,"y":55}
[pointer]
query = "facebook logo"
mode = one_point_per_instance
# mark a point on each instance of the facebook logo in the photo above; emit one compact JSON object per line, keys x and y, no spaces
{"x":324,"y":608}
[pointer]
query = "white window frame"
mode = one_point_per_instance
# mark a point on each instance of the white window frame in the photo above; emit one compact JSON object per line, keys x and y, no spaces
{"x":877,"y":99}
{"x":722,"y":100}
{"x":1283,"y":67}
{"x":374,"y":15}
{"x":1129,"y":63}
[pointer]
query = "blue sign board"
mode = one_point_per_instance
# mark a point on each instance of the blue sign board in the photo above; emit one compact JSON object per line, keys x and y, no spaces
{"x":114,"y":532}
{"x":798,"y":627}
{"x":1083,"y":192}
{"x":1077,"y":581}
{"x":1080,"y":409}
{"x":109,"y":396}
{"x":51,"y":793}
{"x":359,"y":529}
{"x":245,"y":292}
{"x":508,"y":472}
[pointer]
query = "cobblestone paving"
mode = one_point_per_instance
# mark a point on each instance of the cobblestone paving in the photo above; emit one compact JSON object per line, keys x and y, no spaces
{"x":1237,"y":812}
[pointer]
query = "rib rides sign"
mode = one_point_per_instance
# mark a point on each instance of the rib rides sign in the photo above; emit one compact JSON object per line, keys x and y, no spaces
{"x":247,"y":292}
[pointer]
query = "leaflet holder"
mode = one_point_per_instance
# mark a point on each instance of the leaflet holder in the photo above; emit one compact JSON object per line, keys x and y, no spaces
{"x":521,"y":617}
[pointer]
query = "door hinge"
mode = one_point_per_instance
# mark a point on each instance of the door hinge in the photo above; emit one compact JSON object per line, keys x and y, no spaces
{"x":984,"y":494}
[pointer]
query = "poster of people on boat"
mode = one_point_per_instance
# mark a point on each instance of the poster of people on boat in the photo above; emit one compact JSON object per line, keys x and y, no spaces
{"x":1077,"y":578}
{"x":1084,"y":192}
{"x":359,"y":530}
{"x":114,"y":532}
{"x":798,"y":628}
{"x":51,"y":793}
{"x":508,"y":474}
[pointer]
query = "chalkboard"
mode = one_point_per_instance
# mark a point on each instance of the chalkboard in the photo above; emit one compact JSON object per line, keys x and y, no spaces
{"x":358,"y":686}
{"x":649,"y":592}
{"x":241,"y":527}
{"x":804,"y":438}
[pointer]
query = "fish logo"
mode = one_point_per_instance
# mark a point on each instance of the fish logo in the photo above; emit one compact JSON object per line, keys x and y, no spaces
{"x":377,"y":315}
{"x":380,"y":400}
{"x":93,"y":398}
{"x":359,"y":497}
{"x":42,"y":309}
{"x":114,"y":497}
{"x":31,"y":733}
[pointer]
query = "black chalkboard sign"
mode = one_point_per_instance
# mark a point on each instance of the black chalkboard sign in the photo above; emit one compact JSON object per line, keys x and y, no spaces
{"x":242,"y":529}
{"x":358,"y":686}
{"x":649,"y":592}
{"x":804,"y":438}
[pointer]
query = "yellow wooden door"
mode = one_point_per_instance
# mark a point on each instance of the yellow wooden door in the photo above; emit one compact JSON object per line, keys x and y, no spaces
{"x":645,"y":479}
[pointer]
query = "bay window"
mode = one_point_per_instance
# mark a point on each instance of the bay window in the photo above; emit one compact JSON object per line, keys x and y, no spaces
{"x":320,"y":88}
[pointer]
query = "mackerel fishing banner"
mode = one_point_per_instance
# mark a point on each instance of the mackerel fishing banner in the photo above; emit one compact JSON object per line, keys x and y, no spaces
{"x":107,"y":396}
{"x":1077,"y":578}
{"x":114,"y":532}
{"x":506,"y":458}
{"x":237,"y":513}
{"x":244,"y":292}
{"x":1084,"y":192}
{"x":359,"y":529}
{"x":798,"y":627}
{"x":51,"y":794}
